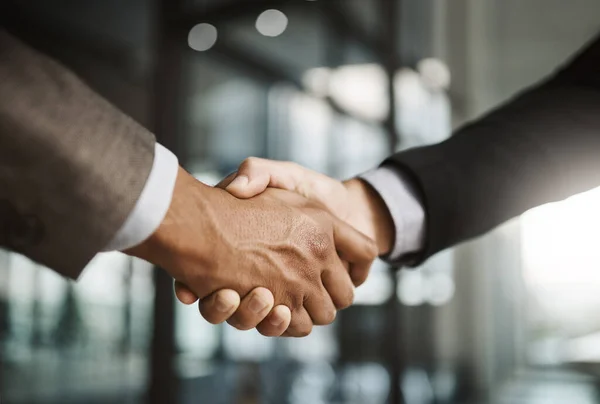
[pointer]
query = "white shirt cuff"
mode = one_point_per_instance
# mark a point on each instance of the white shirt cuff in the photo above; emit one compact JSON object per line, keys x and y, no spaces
{"x":398,"y":193}
{"x":153,"y":204}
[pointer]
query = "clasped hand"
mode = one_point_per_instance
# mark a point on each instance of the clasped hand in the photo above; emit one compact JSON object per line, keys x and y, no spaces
{"x":282,"y":248}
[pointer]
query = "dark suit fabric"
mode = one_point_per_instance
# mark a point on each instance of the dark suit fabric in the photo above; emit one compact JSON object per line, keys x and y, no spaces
{"x":542,"y":146}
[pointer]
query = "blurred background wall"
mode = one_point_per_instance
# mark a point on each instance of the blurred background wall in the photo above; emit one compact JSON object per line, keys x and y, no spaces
{"x":335,"y":85}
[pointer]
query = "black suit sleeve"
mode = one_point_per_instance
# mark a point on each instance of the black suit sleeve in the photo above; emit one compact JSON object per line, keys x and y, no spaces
{"x":542,"y":146}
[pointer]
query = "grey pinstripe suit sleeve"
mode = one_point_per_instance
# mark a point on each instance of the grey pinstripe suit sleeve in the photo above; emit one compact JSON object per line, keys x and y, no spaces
{"x":71,"y":165}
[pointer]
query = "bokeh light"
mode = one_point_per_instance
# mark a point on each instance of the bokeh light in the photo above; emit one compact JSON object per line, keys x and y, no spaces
{"x":202,"y":37}
{"x":271,"y":23}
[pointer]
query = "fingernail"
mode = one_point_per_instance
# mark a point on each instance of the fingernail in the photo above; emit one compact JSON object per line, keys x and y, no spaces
{"x":240,"y":181}
{"x":222,"y":304}
{"x":276,"y":320}
{"x":256,"y":304}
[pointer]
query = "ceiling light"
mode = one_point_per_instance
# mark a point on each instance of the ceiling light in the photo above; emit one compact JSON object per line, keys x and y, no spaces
{"x":271,"y":23}
{"x":202,"y":37}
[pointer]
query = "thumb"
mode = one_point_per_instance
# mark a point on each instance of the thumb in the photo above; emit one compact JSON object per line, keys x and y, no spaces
{"x":255,"y":175}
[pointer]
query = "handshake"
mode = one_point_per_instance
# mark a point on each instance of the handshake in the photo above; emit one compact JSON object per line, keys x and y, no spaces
{"x":273,"y":246}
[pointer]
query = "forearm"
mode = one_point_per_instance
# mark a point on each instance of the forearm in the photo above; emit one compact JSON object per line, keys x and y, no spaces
{"x":72,"y":166}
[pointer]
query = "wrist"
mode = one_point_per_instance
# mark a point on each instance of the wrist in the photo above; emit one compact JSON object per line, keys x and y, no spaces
{"x":184,"y":221}
{"x":375,"y":212}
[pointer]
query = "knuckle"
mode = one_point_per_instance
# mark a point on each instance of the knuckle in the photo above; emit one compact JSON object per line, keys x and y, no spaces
{"x":324,"y":312}
{"x":328,"y":317}
{"x":295,"y":298}
{"x":249,"y":163}
{"x":320,"y":245}
{"x":345,"y":299}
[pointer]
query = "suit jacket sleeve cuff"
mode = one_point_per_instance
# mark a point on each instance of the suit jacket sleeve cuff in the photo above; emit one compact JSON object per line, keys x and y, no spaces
{"x":406,"y":209}
{"x":152,"y":205}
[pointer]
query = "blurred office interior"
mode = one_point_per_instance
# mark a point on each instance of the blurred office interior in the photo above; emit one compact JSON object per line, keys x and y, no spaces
{"x":335,"y":85}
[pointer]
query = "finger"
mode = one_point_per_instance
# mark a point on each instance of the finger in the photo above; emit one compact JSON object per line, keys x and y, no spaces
{"x":356,"y":248}
{"x":320,"y":306}
{"x":184,"y":294}
{"x":338,"y":284}
{"x":276,"y":322}
{"x":219,"y":306}
{"x":252,"y":178}
{"x":254,"y":308}
{"x":301,"y":324}
{"x":255,"y":175}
